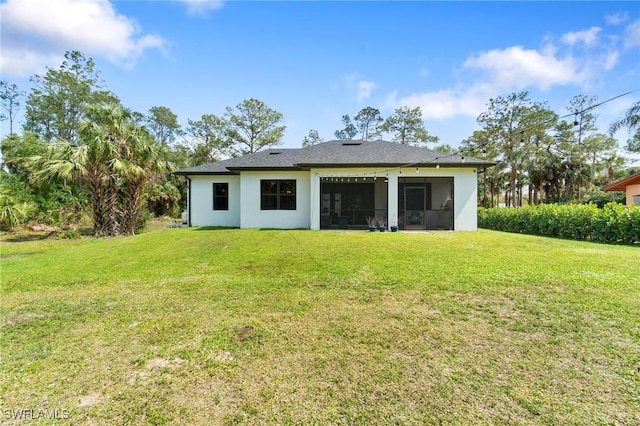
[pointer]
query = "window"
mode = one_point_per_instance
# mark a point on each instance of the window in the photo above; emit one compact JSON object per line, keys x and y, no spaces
{"x":277,"y":195}
{"x":221,"y":196}
{"x":636,"y":200}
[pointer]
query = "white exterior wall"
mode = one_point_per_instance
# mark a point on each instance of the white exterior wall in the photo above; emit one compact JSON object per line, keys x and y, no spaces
{"x":252,"y":217}
{"x":392,"y":196}
{"x":244,"y":197}
{"x":465,"y":200}
{"x":201,"y":202}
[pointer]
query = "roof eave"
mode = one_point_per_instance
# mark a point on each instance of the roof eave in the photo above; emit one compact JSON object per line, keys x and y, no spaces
{"x":265,"y":168}
{"x":204,"y":173}
{"x":466,"y":164}
{"x":622,"y":184}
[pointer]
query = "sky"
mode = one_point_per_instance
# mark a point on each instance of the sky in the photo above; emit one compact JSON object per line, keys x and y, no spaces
{"x":316,"y":61}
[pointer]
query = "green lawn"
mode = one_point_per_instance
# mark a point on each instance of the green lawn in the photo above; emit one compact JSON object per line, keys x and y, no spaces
{"x":205,"y":326}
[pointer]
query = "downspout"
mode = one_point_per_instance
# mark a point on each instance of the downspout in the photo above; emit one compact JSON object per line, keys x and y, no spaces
{"x":188,"y":201}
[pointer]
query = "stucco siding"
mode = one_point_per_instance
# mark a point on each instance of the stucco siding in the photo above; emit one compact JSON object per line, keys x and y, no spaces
{"x":202,"y":213}
{"x":245,"y":198}
{"x":251,"y":216}
{"x":465,"y":202}
{"x":632,"y":190}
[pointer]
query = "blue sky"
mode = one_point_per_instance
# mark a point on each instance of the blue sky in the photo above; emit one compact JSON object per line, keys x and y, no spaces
{"x":315,"y":61}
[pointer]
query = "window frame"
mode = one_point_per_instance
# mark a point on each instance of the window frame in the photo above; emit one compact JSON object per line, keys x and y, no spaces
{"x":276,"y":193}
{"x":216,"y":206}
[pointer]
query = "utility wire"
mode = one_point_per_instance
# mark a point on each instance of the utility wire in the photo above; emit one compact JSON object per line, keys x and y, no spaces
{"x":576,"y":113}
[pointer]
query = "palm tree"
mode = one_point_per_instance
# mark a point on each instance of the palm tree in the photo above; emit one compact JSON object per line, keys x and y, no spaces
{"x":13,"y":211}
{"x":631,"y":121}
{"x":144,"y":162}
{"x":106,"y":163}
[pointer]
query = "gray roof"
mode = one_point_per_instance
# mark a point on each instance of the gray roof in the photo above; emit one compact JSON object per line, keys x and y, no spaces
{"x":337,"y":153}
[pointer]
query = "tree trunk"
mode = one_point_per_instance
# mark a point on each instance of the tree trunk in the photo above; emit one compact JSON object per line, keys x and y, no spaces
{"x":484,"y":189}
{"x":97,"y":207}
{"x":514,"y":176}
{"x":131,"y":213}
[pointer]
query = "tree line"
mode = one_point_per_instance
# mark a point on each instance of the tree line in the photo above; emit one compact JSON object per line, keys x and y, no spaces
{"x":554,"y":159}
{"x":83,"y":155}
{"x":82,"y":151}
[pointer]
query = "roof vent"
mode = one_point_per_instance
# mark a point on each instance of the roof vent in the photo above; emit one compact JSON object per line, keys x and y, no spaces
{"x":351,"y":143}
{"x":275,"y":152}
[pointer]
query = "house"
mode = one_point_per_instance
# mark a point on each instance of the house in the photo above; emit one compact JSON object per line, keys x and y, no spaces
{"x":336,"y":184}
{"x":630,"y":185}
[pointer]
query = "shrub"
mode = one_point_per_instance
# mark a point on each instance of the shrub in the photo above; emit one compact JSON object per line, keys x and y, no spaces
{"x":614,"y":223}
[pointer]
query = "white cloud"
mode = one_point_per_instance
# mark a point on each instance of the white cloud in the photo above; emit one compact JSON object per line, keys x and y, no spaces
{"x":516,"y":68}
{"x":632,"y":35}
{"x":36,"y":33}
{"x":499,"y":71}
{"x":616,"y":18}
{"x":444,"y":103}
{"x":202,"y":7}
{"x":364,"y":89}
{"x":611,"y":60}
{"x":358,"y":87}
{"x":586,"y":37}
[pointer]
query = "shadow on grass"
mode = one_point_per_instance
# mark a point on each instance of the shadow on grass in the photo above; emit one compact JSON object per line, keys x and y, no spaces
{"x":225,"y":228}
{"x":214,"y":228}
{"x":21,"y":238}
{"x":16,"y":256}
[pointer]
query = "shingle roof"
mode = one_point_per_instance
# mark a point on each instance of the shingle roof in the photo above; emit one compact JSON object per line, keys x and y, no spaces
{"x":337,"y":153}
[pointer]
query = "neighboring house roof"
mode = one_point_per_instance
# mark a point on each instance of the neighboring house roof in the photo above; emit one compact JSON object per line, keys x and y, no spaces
{"x":337,"y":153}
{"x":621,"y":185}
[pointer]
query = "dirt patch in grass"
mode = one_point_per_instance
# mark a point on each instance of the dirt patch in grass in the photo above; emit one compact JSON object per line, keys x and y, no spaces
{"x":159,"y":363}
{"x":244,"y":333}
{"x":90,"y":400}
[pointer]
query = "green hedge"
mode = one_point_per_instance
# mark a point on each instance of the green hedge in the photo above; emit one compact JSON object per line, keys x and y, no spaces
{"x":614,"y":223}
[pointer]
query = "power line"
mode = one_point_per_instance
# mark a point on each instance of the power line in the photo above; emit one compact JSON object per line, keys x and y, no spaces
{"x":576,"y":113}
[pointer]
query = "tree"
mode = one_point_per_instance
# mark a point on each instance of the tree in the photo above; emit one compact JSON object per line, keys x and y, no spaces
{"x":16,"y":149}
{"x":349,"y":130}
{"x":252,"y":126}
{"x":599,"y":147}
{"x":55,"y":105}
{"x":162,"y":124}
{"x":146,"y":164}
{"x":406,"y":126}
{"x":585,"y":119}
{"x":479,"y":146}
{"x":368,"y":122}
{"x":10,"y":98}
{"x":55,"y":203}
{"x":208,"y":139}
{"x":111,"y":162}
{"x":312,"y":138}
{"x":13,"y":210}
{"x":631,"y":121}
{"x":511,"y":124}
{"x":446,"y":148}
{"x":503,"y":116}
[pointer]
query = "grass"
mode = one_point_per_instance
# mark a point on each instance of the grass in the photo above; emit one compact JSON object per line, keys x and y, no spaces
{"x":211,"y":326}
